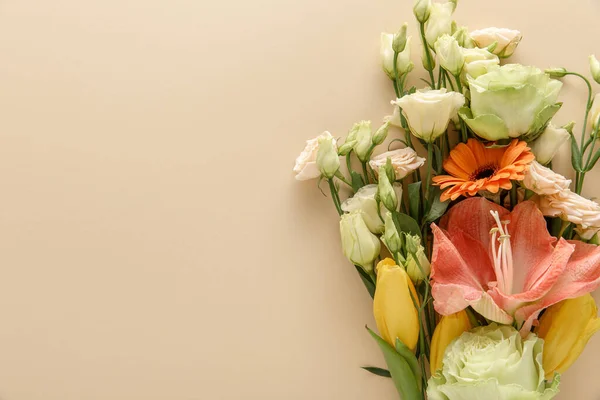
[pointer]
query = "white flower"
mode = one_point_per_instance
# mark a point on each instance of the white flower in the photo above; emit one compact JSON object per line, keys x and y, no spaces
{"x":364,"y":140}
{"x":394,"y":119}
{"x":359,"y":245}
{"x":403,"y":63}
{"x":492,"y":362}
{"x":512,"y":101}
{"x":429,"y":111}
{"x":547,"y":145}
{"x":506,"y":39}
{"x":306,"y":164}
{"x":418,"y":268}
{"x":439,"y":22}
{"x":587,"y":234}
{"x":403,"y":160}
{"x":544,"y":181}
{"x":364,"y":200}
{"x":570,"y":206}
{"x":595,"y":68}
{"x":449,"y":54}
{"x":594,"y":112}
{"x":422,"y":10}
{"x":478,"y":62}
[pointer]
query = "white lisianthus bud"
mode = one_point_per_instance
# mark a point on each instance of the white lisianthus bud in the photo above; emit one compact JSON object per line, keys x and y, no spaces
{"x":347,"y":147}
{"x":404,"y":161}
{"x":557,"y":72}
{"x":422,"y":10}
{"x":546,"y":146}
{"x":595,"y":68}
{"x":425,"y":61}
{"x":403,"y":64}
{"x":506,"y":40}
{"x":381,"y":134}
{"x":364,"y":200}
{"x":400,"y":39}
{"x":478,"y":62}
{"x":394,"y":119}
{"x":417,"y":265}
{"x":594,"y":116}
{"x":306,"y":164}
{"x":363,"y":140}
{"x":359,"y":245}
{"x":328,"y":160}
{"x":385,"y":191}
{"x":428,"y":112}
{"x":391,"y":237}
{"x":449,"y":54}
{"x":463,"y":38}
{"x":544,"y":181}
{"x":440,"y":22}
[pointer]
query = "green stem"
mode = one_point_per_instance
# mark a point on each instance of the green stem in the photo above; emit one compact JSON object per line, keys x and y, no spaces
{"x":343,"y":178}
{"x":458,"y":83}
{"x":335,"y":196}
{"x":447,"y":77}
{"x":587,"y":108}
{"x":428,"y":54}
{"x":439,"y":85}
{"x":365,"y":172}
{"x":513,"y":196}
{"x":429,"y":168}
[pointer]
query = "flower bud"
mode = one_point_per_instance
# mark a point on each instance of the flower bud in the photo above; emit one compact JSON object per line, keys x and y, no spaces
{"x":594,"y":116}
{"x":403,"y":63}
{"x":385,"y":191}
{"x":363,"y":141}
{"x":450,"y":55}
{"x":422,"y":10}
{"x":449,"y":328}
{"x":417,"y":265}
{"x":346,"y":148}
{"x":595,"y":68}
{"x":364,"y":200}
{"x":399,"y":42}
{"x":425,"y":60}
{"x":566,"y":327}
{"x":381,"y":134}
{"x":463,"y":38}
{"x":547,"y":145}
{"x":328,"y":160}
{"x":391,"y":237}
{"x":359,"y":245}
{"x":557,"y":72}
{"x":393,"y":307}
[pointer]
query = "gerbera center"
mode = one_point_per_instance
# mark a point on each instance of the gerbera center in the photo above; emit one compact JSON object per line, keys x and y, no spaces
{"x":485,"y":171}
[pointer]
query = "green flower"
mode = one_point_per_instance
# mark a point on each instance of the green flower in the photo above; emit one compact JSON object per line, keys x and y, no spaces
{"x":511,"y":101}
{"x":493,"y":362}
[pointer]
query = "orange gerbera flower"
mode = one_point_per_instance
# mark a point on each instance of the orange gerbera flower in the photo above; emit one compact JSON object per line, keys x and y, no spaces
{"x":474,"y":167}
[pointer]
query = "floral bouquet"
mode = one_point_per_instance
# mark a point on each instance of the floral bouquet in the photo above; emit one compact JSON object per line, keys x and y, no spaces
{"x":480,"y":259}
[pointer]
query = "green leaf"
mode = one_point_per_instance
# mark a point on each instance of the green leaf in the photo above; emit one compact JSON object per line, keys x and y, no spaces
{"x":378,"y":371}
{"x":438,"y":159}
{"x":438,"y":208}
{"x":575,"y":155}
{"x":410,"y":358}
{"x":366,"y":280}
{"x":414,"y":199}
{"x":357,"y":181}
{"x":593,"y":161}
{"x":404,"y":223}
{"x":400,"y":371}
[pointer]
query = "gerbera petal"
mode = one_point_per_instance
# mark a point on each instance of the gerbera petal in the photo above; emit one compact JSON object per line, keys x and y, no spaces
{"x":464,"y":158}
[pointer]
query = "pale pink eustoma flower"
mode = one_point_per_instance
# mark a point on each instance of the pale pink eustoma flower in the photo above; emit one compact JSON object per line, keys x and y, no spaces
{"x":505,"y":264}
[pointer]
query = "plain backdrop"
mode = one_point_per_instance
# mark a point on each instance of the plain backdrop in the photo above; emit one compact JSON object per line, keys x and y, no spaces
{"x":153,"y":242}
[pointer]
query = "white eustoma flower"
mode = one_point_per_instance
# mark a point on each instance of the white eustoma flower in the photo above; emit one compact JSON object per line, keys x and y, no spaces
{"x":506,"y":40}
{"x":544,"y":181}
{"x":594,"y":112}
{"x":439,"y":22}
{"x":492,"y":362}
{"x":428,"y":112}
{"x":364,"y":200}
{"x":394,"y":119}
{"x":449,"y":54}
{"x":547,"y":145}
{"x":403,"y":64}
{"x":328,"y":160}
{"x":511,"y":101}
{"x":570,"y":206}
{"x":364,"y":140}
{"x":306,"y":164}
{"x":404,"y":161}
{"x":417,"y":264}
{"x":359,"y":245}
{"x":478,"y":62}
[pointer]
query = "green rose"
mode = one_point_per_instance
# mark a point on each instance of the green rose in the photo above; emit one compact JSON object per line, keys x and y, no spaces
{"x":492,"y":362}
{"x":511,"y":101}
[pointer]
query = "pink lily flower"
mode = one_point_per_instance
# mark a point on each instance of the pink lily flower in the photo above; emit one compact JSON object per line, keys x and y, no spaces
{"x":505,"y":264}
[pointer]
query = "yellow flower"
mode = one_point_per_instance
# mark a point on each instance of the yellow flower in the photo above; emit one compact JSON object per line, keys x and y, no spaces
{"x":393,"y":307}
{"x":450,"y":327}
{"x":566,"y":328}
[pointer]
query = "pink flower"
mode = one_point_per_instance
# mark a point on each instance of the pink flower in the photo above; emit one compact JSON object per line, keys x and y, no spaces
{"x":505,"y":264}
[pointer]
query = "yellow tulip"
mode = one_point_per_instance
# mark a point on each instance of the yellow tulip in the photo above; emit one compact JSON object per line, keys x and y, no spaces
{"x":566,"y":328}
{"x":449,"y":328}
{"x":393,"y":307}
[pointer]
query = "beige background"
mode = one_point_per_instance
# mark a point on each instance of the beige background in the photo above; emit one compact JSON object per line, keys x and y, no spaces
{"x":153,"y":242}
